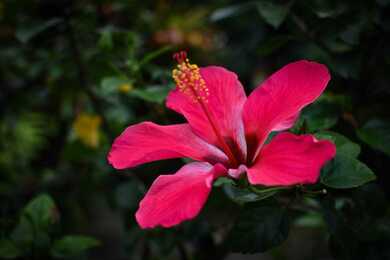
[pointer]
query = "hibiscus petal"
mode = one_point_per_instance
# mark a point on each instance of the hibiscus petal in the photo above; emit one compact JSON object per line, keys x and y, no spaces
{"x":146,"y":142}
{"x":286,"y":124}
{"x":225,"y":103}
{"x":291,"y":159}
{"x":276,"y":103}
{"x":175,"y":198}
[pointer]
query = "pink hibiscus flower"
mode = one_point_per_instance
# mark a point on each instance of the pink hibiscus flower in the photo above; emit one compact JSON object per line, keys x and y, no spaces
{"x":225,"y":134}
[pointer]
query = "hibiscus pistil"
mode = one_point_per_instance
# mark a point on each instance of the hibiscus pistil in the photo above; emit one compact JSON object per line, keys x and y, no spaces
{"x":190,"y":82}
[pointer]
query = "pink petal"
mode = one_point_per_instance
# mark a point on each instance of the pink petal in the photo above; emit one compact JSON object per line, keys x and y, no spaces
{"x":236,"y":173}
{"x":276,"y":103}
{"x":178,"y":197}
{"x":225,"y":103}
{"x":146,"y":142}
{"x":287,"y":123}
{"x":291,"y":159}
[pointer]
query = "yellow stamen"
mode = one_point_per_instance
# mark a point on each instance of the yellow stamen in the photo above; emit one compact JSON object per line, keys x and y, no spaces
{"x":189,"y":81}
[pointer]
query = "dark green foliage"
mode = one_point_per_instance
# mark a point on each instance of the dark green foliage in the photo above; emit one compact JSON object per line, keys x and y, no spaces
{"x":359,"y":228}
{"x":344,"y":145}
{"x":346,"y":172}
{"x":8,"y":250}
{"x":34,"y":232}
{"x":259,"y":228}
{"x":72,"y":246}
{"x":376,"y":133}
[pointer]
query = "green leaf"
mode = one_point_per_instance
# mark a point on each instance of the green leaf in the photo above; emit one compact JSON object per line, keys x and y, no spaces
{"x":9,"y":250}
{"x":329,"y":10}
{"x":273,"y":14}
{"x":33,"y":227}
{"x":153,"y":55}
{"x":23,"y":233}
{"x":336,"y":45}
{"x":244,"y":195}
{"x":119,"y":113}
{"x":310,"y":220}
{"x":28,"y":31}
{"x":111,"y":85}
{"x":258,"y":229}
{"x":319,"y":116}
{"x":343,"y":144}
{"x":376,"y":133}
{"x":346,"y":172}
{"x":41,"y":211}
{"x":105,"y":42}
{"x":72,"y":245}
{"x":229,"y":11}
{"x":37,"y":216}
{"x":155,"y":93}
{"x":223,"y":181}
{"x":26,"y":135}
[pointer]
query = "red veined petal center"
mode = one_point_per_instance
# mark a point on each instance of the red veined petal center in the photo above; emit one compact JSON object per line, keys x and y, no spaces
{"x":190,"y":82}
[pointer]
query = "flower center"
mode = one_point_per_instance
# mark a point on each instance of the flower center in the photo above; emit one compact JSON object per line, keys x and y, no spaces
{"x":190,"y":82}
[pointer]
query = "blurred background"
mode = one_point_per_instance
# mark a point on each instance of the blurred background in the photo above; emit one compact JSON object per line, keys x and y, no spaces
{"x":74,"y":74}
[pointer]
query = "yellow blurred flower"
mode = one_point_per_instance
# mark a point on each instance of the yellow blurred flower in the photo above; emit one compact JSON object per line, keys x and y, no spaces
{"x":125,"y":88}
{"x":86,"y":128}
{"x":195,"y":38}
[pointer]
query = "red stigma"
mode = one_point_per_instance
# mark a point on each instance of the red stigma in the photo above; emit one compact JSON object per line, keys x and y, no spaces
{"x":180,"y":57}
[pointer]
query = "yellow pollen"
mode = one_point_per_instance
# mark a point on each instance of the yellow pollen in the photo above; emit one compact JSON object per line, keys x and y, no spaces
{"x":189,"y":81}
